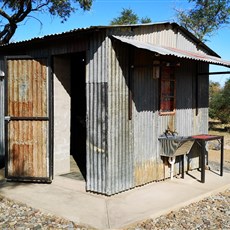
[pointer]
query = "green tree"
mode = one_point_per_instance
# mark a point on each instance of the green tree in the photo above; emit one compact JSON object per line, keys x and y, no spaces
{"x":13,"y":12}
{"x":145,"y":20}
{"x":220,"y":104}
{"x":214,"y":88}
{"x":205,"y":18}
{"x":127,"y":17}
{"x":214,"y":97}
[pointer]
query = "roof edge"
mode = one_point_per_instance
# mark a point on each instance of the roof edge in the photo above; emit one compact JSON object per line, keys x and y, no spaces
{"x":95,"y":28}
{"x":198,"y":41}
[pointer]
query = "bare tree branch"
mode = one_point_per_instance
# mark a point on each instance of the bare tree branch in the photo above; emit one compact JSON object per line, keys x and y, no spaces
{"x":20,"y":10}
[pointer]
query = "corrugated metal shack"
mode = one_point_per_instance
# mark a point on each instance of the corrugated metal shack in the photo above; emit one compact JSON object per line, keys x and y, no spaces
{"x":104,"y":95}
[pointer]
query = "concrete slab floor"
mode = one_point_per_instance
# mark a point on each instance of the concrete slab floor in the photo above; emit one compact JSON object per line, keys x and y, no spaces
{"x":67,"y":198}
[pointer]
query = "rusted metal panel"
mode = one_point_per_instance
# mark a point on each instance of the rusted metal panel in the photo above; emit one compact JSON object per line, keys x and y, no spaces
{"x":27,"y":88}
{"x":27,"y":114}
{"x":27,"y":149}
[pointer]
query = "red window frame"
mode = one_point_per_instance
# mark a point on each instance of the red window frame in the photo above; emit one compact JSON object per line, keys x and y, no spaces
{"x":167,"y":90}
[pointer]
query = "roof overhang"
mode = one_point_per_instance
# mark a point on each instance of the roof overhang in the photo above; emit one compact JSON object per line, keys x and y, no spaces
{"x":170,"y":51}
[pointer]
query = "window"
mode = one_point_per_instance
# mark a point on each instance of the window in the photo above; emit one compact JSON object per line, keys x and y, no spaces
{"x":167,"y":90}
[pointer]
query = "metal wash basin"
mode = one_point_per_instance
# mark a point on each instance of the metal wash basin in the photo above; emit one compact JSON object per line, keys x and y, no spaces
{"x":173,"y":145}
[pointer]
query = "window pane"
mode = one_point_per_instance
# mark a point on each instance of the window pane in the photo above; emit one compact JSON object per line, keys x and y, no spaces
{"x":167,"y":73}
{"x":167,"y":102}
{"x":167,"y":88}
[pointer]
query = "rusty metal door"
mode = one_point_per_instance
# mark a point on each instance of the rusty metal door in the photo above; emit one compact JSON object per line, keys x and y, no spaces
{"x":28,"y":120}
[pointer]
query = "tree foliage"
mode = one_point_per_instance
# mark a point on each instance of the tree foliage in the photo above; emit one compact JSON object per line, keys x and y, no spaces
{"x":13,"y":12}
{"x":205,"y":18}
{"x":127,"y":17}
{"x":214,"y":88}
{"x":220,"y":103}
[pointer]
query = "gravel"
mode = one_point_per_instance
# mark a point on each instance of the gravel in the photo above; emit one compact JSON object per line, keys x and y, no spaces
{"x":210,"y":213}
{"x":14,"y":215}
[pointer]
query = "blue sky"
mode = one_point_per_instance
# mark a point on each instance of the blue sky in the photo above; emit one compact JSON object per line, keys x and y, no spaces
{"x":103,"y":11}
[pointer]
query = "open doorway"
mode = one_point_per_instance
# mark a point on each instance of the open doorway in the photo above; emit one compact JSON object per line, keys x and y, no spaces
{"x":78,"y":114}
{"x":70,"y":115}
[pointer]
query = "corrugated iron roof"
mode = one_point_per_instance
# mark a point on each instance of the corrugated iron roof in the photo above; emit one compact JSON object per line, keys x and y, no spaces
{"x":85,"y":29}
{"x":95,"y":28}
{"x":169,"y":51}
{"x":77,"y":30}
{"x":43,"y":38}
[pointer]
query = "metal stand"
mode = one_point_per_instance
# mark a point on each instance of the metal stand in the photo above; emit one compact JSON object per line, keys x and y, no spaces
{"x":202,"y":139}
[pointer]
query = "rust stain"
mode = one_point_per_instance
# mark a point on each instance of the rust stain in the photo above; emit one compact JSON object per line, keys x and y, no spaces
{"x":28,"y":149}
{"x":171,"y":123}
{"x":148,"y":172}
{"x":27,"y":97}
{"x":160,"y":174}
{"x":27,"y":87}
{"x":20,"y":109}
{"x":22,"y":160}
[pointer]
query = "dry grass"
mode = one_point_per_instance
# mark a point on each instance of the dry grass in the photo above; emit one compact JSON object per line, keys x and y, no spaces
{"x":214,"y":155}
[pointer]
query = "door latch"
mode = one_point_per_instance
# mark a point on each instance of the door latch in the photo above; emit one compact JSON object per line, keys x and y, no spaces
{"x":7,"y":118}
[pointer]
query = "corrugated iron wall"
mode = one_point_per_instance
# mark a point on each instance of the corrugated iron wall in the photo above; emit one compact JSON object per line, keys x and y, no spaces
{"x":27,"y":107}
{"x":2,"y":98}
{"x":97,"y":114}
{"x":192,"y":104}
{"x":120,"y":133}
{"x":185,"y":93}
{"x":97,"y":128}
{"x":109,"y":133}
{"x":122,"y":152}
{"x":147,"y":163}
{"x":160,"y":34}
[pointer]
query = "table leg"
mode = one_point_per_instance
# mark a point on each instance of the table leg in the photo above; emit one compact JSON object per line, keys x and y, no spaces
{"x":182,"y":166}
{"x":203,"y":161}
{"x":222,"y":156}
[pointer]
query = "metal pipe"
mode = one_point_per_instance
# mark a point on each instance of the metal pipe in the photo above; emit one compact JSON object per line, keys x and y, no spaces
{"x":171,"y":161}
